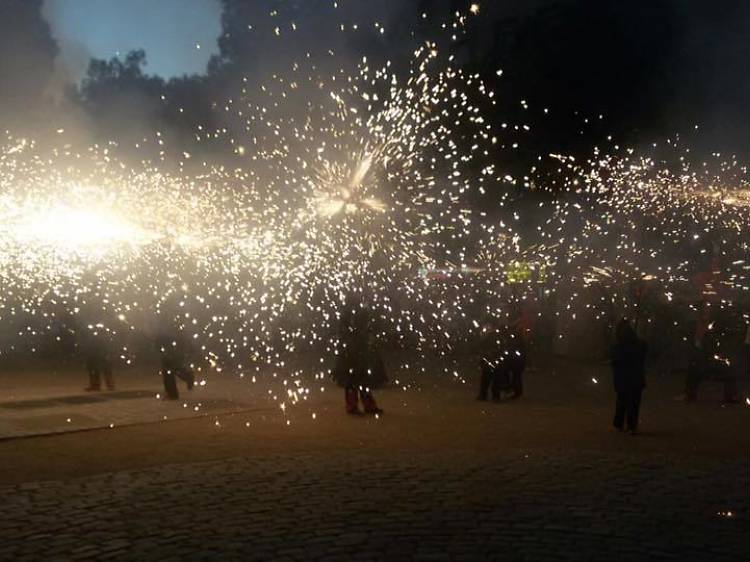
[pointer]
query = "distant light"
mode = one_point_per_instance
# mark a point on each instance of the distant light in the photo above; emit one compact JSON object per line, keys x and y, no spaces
{"x":71,"y":228}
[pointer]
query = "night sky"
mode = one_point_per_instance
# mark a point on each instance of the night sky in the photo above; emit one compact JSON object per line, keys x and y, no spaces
{"x":169,"y":31}
{"x":652,"y":68}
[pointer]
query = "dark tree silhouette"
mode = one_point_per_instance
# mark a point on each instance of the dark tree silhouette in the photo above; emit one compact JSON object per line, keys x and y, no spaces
{"x":27,"y":62}
{"x":122,"y":100}
{"x":130,"y":106}
{"x":270,"y":35}
{"x":649,"y":67}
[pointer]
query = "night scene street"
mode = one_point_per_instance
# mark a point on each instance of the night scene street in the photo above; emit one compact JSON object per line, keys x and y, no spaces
{"x":343,"y":280}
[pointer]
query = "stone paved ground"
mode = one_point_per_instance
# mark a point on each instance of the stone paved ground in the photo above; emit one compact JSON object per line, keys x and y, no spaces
{"x":439,"y":477}
{"x":38,"y":402}
{"x":505,"y":505}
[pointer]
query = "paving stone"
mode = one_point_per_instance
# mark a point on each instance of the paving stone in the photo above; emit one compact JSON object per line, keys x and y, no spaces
{"x":343,"y":506}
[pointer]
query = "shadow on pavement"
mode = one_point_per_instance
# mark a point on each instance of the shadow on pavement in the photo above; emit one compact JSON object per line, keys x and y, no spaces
{"x":76,"y":399}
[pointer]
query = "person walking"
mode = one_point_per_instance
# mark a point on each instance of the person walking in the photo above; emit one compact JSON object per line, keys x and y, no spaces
{"x":629,"y":370}
{"x":174,"y":364}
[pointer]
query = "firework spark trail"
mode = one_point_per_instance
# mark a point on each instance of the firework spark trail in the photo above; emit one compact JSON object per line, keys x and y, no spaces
{"x":355,"y":198}
{"x":656,"y":233}
{"x":381,"y":177}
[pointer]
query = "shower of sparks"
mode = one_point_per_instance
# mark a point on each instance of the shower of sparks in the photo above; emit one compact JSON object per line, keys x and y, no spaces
{"x":385,"y":190}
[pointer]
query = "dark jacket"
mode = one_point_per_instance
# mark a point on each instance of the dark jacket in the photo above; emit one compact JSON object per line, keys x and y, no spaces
{"x":174,"y":351}
{"x":516,"y":352}
{"x":490,"y":345}
{"x":629,"y":364}
{"x":359,"y":362}
{"x":95,"y":348}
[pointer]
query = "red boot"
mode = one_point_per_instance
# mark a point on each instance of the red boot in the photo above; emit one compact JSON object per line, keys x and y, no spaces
{"x":369,"y":404}
{"x":352,"y":402}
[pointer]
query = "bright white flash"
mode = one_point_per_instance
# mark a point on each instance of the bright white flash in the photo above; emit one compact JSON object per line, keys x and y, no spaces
{"x":348,"y":199}
{"x":70,"y":228}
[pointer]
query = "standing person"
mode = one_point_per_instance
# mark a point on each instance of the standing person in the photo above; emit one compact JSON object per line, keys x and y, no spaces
{"x":96,"y":357}
{"x":629,"y":369}
{"x":377,"y":374}
{"x":67,"y":329}
{"x":493,"y":364}
{"x":716,"y":355}
{"x":699,"y":356}
{"x":356,"y":364}
{"x":516,"y":361}
{"x":174,"y":364}
{"x":724,"y":342}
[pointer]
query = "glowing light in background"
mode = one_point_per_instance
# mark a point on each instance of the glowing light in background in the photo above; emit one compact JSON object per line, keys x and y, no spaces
{"x":380,"y":193}
{"x":78,"y":229}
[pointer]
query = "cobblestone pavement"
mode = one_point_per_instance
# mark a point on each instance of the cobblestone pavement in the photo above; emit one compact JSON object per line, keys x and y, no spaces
{"x":505,"y":505}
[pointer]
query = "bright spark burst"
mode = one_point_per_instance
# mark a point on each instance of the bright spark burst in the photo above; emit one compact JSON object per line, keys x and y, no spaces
{"x":370,"y":184}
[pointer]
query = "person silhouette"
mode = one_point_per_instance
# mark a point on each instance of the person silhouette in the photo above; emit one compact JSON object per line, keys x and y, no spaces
{"x":358,"y":366}
{"x":174,"y":351}
{"x":629,"y":370}
{"x":96,"y":357}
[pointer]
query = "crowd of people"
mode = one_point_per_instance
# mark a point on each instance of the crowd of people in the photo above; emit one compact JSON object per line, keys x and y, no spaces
{"x":175,"y":356}
{"x":715,"y":353}
{"x":719,"y":348}
{"x":502,"y":349}
{"x":502,"y":361}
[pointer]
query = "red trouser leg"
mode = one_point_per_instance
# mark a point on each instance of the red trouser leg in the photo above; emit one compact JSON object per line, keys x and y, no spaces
{"x":368,"y":401}
{"x":351,"y":400}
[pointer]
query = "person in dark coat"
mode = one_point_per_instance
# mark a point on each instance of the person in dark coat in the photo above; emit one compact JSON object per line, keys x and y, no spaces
{"x":96,"y":357}
{"x":694,"y":373}
{"x":377,"y":375}
{"x":726,"y":338}
{"x":516,"y":361}
{"x":358,"y":366}
{"x":699,"y":359}
{"x":717,"y":355}
{"x":493,"y":363}
{"x":174,"y":353}
{"x":629,"y":370}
